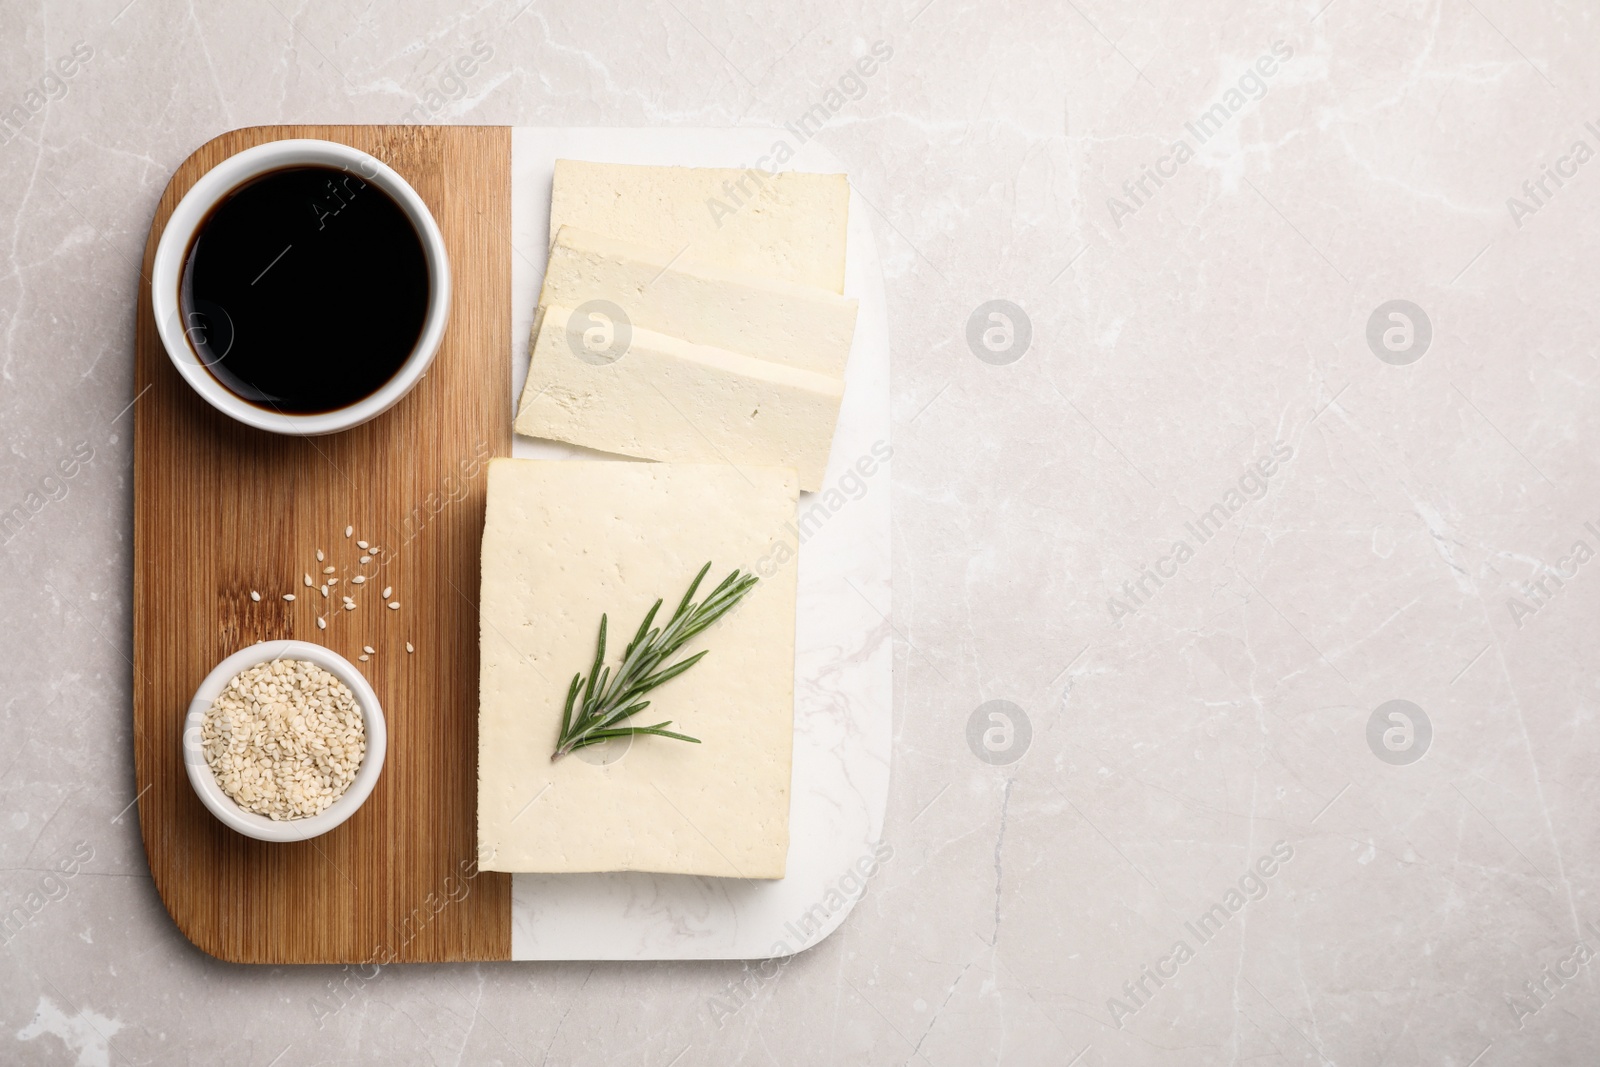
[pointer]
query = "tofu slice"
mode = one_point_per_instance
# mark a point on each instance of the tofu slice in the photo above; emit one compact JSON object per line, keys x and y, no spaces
{"x":790,"y":226}
{"x":797,"y":325}
{"x":666,"y":399}
{"x":565,"y":542}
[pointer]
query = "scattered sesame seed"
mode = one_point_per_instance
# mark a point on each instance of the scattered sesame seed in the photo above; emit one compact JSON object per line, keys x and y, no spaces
{"x":349,"y":607}
{"x":409,"y":648}
{"x":394,"y":605}
{"x":369,"y":650}
{"x":333,"y":581}
{"x":288,"y":596}
{"x":387,"y":590}
{"x":362,"y":658}
{"x":366,"y":559}
{"x":358,"y":579}
{"x":322,"y":624}
{"x":348,"y":530}
{"x":319,"y":555}
{"x":324,"y":590}
{"x":309,"y":582}
{"x":361,"y":544}
{"x":375,"y":550}
{"x":255,"y":596}
{"x":328,"y":570}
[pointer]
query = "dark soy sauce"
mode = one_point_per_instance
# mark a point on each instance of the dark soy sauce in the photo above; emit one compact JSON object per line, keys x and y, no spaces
{"x":305,"y":289}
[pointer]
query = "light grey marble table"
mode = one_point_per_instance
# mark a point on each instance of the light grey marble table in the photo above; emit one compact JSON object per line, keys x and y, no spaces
{"x":1288,"y":414}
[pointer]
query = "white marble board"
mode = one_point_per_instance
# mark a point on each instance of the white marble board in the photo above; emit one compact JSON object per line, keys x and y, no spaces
{"x":842,"y":657}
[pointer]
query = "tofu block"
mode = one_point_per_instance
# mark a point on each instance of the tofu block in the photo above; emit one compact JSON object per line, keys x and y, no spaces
{"x":797,"y":325}
{"x":666,"y":399}
{"x":789,"y":226}
{"x":568,"y":541}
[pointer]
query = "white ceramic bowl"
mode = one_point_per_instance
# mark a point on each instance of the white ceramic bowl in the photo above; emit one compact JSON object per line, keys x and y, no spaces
{"x":211,"y":189}
{"x":259,"y":826}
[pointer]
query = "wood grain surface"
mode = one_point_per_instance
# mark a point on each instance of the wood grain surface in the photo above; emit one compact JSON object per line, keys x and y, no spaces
{"x":221,"y":509}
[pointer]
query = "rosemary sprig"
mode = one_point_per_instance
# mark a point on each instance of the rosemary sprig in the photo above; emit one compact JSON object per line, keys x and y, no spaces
{"x":608,"y":700}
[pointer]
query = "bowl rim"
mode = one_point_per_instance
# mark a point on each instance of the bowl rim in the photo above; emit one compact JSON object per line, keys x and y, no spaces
{"x":209,"y":190}
{"x":261,"y":827}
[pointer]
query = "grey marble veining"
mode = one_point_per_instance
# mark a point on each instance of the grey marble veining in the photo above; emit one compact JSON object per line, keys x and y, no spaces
{"x":1135,"y":667}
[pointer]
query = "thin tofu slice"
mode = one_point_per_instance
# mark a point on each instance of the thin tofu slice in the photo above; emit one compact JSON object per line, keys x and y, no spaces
{"x":790,"y":226}
{"x":644,"y":394}
{"x":797,"y":325}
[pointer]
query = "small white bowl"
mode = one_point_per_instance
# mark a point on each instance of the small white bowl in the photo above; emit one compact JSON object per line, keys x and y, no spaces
{"x":214,"y":186}
{"x":259,"y":826}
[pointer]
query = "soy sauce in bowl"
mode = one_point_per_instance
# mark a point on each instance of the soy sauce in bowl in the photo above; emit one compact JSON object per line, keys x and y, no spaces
{"x":304,"y":290}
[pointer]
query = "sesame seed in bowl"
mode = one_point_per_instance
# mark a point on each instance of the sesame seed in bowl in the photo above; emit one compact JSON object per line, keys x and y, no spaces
{"x":284,"y":740}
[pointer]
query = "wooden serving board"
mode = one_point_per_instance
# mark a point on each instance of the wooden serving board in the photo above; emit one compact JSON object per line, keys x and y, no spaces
{"x":221,"y":509}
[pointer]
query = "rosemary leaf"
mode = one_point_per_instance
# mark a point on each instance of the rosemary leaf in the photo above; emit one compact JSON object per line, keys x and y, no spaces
{"x":608,"y":700}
